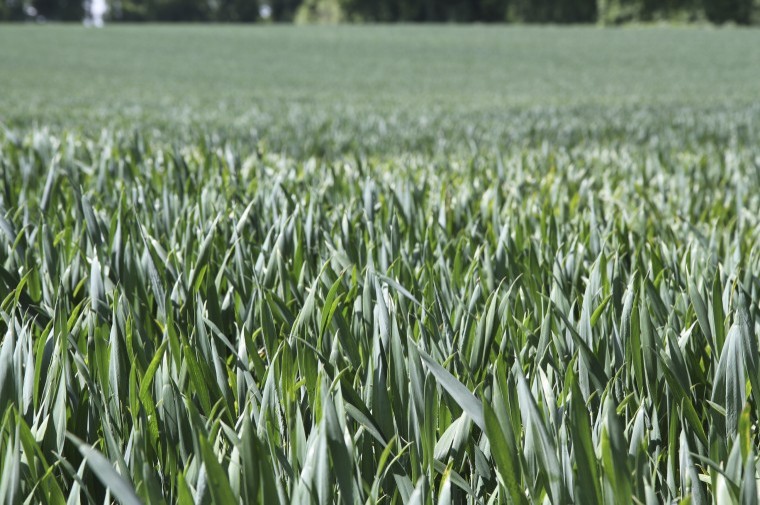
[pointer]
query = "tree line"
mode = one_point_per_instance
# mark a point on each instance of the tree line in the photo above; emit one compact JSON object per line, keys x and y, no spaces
{"x":486,"y":11}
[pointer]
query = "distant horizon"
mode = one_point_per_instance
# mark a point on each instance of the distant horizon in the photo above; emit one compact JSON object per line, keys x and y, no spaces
{"x":606,"y":12}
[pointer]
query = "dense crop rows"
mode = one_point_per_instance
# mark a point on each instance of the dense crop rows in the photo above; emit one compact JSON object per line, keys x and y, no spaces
{"x":540,"y":307}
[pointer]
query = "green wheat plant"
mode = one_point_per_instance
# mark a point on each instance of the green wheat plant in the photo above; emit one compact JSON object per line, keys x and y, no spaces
{"x":201,"y":318}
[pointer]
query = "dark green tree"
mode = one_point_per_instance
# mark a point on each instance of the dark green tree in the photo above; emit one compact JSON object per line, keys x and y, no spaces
{"x":237,"y":11}
{"x":60,"y":10}
{"x":722,"y":11}
{"x":182,"y":10}
{"x":11,"y":10}
{"x":131,"y":10}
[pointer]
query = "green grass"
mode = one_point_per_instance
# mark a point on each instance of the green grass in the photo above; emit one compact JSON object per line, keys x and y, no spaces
{"x":395,"y":265}
{"x":464,"y":68}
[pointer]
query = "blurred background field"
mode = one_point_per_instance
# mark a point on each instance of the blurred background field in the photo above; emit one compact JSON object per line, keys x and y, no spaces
{"x":50,"y":69}
{"x":410,"y":81}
